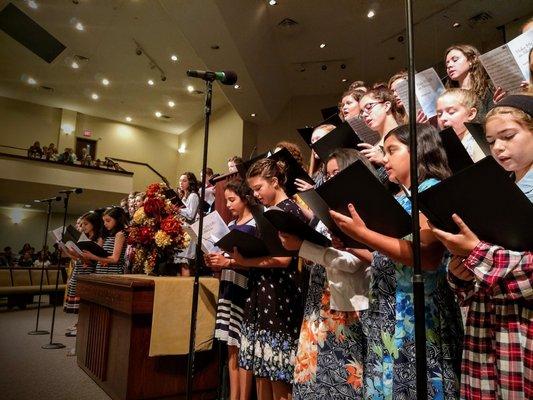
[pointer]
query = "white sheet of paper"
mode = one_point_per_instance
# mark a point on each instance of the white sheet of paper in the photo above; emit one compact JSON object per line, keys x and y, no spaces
{"x":508,"y":65}
{"x":214,"y":229}
{"x":428,"y":88}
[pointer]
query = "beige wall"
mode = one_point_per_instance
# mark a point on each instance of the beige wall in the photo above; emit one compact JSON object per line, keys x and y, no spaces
{"x":22,"y":123}
{"x":225,"y":140}
{"x":30,"y":229}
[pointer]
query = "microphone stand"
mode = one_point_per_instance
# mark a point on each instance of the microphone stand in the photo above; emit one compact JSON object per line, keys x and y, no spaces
{"x":199,"y":256}
{"x":51,"y":344}
{"x":418,"y":278}
{"x":48,"y":215}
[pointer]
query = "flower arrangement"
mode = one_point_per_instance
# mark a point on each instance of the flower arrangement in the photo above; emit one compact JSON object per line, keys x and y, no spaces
{"x":156,"y":232}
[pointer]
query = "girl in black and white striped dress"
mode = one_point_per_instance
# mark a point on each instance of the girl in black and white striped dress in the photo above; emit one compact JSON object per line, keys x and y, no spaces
{"x":115,"y":221}
{"x":233,"y":283}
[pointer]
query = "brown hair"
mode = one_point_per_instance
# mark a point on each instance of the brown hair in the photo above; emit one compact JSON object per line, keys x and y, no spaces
{"x":294,"y":149}
{"x":358,"y":85}
{"x":384,"y":94}
{"x":346,"y":157}
{"x":431,"y":157}
{"x":398,"y":75}
{"x":481,"y":83}
{"x":519,"y":116}
{"x":241,"y":189}
{"x":315,"y":166}
{"x":268,"y":169}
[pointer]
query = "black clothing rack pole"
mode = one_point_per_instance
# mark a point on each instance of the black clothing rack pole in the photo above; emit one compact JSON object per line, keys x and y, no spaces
{"x":418,"y":279}
{"x":48,"y":214}
{"x":51,"y":344}
{"x":199,"y":255}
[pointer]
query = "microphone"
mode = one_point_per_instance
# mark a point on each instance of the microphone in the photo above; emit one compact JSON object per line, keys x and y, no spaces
{"x":57,"y":198}
{"x":76,"y":190}
{"x":224,"y":77}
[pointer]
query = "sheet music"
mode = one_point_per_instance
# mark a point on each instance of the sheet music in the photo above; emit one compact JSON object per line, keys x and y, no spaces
{"x":508,"y":65}
{"x":362,"y":130}
{"x":428,"y":88}
{"x":214,"y":229}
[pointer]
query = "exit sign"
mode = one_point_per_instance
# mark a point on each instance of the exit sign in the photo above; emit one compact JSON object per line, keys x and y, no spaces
{"x":87,"y":133}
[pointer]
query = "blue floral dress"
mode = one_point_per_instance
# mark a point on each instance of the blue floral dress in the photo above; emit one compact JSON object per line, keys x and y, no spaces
{"x":389,"y":369}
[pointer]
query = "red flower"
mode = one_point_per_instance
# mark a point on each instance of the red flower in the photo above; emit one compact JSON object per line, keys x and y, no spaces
{"x":145,"y":235}
{"x":153,"y":190}
{"x":153,"y":206}
{"x":171,"y":225}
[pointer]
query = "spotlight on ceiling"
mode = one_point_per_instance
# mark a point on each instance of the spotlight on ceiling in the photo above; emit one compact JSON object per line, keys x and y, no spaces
{"x":171,"y":104}
{"x":158,"y":114}
{"x":128,"y":119}
{"x":273,"y":2}
{"x":95,"y":96}
{"x":105,"y":82}
{"x":174,"y":57}
{"x":371,"y":14}
{"x":151,"y":82}
{"x":190,"y":88}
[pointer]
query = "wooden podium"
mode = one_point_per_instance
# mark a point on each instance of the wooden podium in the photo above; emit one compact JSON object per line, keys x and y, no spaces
{"x":113,"y":341}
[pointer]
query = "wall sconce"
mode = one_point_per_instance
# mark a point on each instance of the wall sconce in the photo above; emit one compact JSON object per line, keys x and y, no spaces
{"x":182,"y":149}
{"x":67,"y":128}
{"x":16,"y":215}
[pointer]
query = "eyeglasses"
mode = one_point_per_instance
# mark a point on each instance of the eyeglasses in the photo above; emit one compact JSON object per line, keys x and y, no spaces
{"x":367,"y":109}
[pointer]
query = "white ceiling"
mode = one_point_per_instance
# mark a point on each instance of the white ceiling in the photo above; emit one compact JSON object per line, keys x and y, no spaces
{"x":267,"y":57}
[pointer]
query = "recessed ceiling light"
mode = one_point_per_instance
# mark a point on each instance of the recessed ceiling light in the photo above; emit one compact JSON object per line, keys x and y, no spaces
{"x":151,"y":82}
{"x":32,"y":4}
{"x":174,"y":57}
{"x":322,"y":45}
{"x":105,"y":82}
{"x":128,"y":119}
{"x":344,"y":80}
{"x":171,"y":103}
{"x":27,"y":205}
{"x":158,"y":114}
{"x":272,"y":2}
{"x":79,"y":26}
{"x":456,"y":24}
{"x":252,"y":115}
{"x":74,"y":65}
{"x":190,"y":88}
{"x":31,"y":81}
{"x":94,"y":96}
{"x":371,"y":14}
{"x":237,"y":86}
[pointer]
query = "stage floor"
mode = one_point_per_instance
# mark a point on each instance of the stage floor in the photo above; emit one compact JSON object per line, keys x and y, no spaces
{"x":28,"y":372}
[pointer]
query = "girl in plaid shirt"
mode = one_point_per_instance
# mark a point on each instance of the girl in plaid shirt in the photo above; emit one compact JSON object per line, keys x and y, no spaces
{"x":496,"y":283}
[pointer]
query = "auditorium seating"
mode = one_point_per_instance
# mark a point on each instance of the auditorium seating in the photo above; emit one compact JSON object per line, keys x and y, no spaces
{"x":19,"y":285}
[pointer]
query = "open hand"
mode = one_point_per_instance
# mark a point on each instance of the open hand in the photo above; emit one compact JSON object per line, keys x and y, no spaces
{"x":216,"y":261}
{"x":498,"y":95}
{"x":87,"y":255}
{"x":353,"y":225}
{"x":460,"y":244}
{"x":373,"y":153}
{"x":302,"y":185}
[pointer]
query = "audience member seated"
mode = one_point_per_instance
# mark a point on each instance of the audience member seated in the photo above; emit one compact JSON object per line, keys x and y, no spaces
{"x":67,"y":157}
{"x":7,"y":258}
{"x":51,"y":152}
{"x":26,"y":260}
{"x":86,"y":158}
{"x":43,"y":258}
{"x":35,"y":151}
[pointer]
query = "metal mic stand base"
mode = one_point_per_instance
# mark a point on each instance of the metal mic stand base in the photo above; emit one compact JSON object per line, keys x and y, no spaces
{"x":38,"y":332}
{"x":50,"y":346}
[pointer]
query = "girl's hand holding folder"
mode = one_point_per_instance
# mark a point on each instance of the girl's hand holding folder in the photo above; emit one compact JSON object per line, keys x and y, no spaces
{"x":352,"y":226}
{"x":460,"y":244}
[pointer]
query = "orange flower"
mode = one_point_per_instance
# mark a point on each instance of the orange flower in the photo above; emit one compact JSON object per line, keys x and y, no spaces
{"x":355,"y":374}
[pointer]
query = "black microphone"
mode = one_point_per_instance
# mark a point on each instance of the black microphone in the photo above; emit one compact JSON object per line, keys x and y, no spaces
{"x":76,"y":190}
{"x":57,"y":198}
{"x":224,"y":77}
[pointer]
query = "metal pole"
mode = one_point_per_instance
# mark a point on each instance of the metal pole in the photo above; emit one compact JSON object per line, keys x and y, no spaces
{"x":37,"y":331}
{"x":418,"y":280}
{"x":199,"y":256}
{"x":51,"y":344}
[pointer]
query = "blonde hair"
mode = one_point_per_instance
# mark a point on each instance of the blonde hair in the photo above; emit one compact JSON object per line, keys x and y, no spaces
{"x":314,"y":165}
{"x":466,"y":98}
{"x":519,"y":116}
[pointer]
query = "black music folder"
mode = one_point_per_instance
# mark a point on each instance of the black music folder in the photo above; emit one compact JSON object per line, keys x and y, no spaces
{"x":172,"y":195}
{"x":487,"y":200}
{"x":458,"y":157}
{"x":248,"y":245}
{"x":358,"y":185}
{"x":293,"y":169}
{"x":289,"y":223}
{"x":478,"y":133}
{"x":341,"y":137}
{"x":331,"y":117}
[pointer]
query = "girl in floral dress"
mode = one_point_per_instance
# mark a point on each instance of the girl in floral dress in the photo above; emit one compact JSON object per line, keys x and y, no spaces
{"x":274,"y":311}
{"x":389,"y":368}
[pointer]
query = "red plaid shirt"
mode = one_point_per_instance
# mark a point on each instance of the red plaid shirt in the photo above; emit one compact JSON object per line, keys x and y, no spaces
{"x":498,"y":346}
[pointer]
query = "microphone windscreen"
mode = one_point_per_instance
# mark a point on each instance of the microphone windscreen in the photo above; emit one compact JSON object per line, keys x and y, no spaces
{"x":230,"y":78}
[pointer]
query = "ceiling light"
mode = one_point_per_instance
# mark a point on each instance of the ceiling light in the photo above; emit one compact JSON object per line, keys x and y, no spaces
{"x":344,"y":80}
{"x":105,"y":82}
{"x":174,"y":57}
{"x":158,"y":114}
{"x":190,"y":88}
{"x":272,"y":2}
{"x":27,"y":205}
{"x":31,"y":81}
{"x":171,"y":103}
{"x":32,"y":4}
{"x":252,"y":115}
{"x":94,"y":96}
{"x":151,"y":82}
{"x":74,"y":65}
{"x":128,"y":119}
{"x":456,"y":24}
{"x":237,"y":86}
{"x":371,"y":14}
{"x":322,"y":45}
{"x":79,"y":26}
